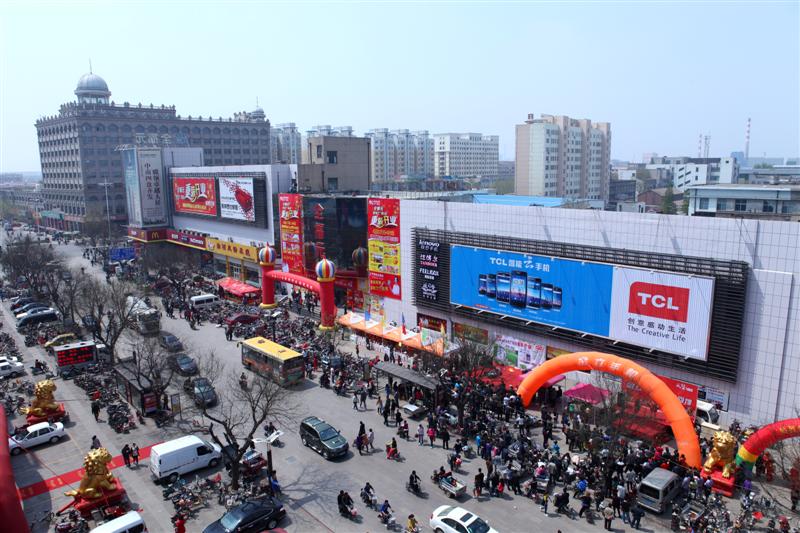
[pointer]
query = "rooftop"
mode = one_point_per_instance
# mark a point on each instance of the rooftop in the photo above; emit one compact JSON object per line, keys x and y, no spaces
{"x":749,"y":186}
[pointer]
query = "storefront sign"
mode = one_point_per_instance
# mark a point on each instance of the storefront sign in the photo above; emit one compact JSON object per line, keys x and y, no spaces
{"x":147,"y":235}
{"x":470,"y":333}
{"x":236,"y":199}
{"x":428,"y":270}
{"x":355,"y":297}
{"x":714,"y":396}
{"x":383,"y":245}
{"x":658,"y":310}
{"x":186,"y":239}
{"x":521,"y":354}
{"x":196,"y":196}
{"x":686,"y":392}
{"x":432,"y":322}
{"x":290,"y":207}
{"x":232,"y":249}
{"x":149,"y":402}
{"x":552,"y":353}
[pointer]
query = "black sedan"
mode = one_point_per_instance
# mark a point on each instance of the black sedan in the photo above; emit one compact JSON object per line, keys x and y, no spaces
{"x":251,"y":516}
{"x":184,"y":365}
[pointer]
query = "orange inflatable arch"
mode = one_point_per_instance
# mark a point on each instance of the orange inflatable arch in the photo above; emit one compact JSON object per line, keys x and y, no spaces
{"x":679,"y":420}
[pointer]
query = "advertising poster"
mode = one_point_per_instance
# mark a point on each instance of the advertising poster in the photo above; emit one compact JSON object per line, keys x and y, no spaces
{"x":714,"y":395}
{"x":195,"y":196}
{"x":151,"y":187}
{"x":131,"y":170}
{"x":470,"y":333}
{"x":686,"y":392}
{"x":290,"y":207}
{"x":521,"y":354}
{"x":236,"y":199}
{"x":432,"y":322}
{"x":659,"y":310}
{"x":383,"y":245}
{"x":428,"y":270}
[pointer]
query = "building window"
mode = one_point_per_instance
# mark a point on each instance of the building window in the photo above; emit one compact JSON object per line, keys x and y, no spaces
{"x":333,"y":184}
{"x":332,"y":157}
{"x":319,"y":150}
{"x":703,"y":203}
{"x":768,"y":207}
{"x":740,"y":205}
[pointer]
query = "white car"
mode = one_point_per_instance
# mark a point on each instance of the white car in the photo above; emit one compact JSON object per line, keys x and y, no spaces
{"x":8,"y":359}
{"x":11,"y":369}
{"x":35,"y":435}
{"x":447,"y":519}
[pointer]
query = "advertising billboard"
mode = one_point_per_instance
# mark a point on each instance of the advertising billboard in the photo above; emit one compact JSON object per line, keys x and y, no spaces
{"x":290,"y":209}
{"x":195,"y":196}
{"x":151,"y":187}
{"x":236,"y":199}
{"x":131,"y":170}
{"x":658,"y":310}
{"x":383,"y":245}
{"x":515,"y":352}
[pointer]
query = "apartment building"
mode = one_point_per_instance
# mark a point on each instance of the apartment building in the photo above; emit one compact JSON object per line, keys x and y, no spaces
{"x":398,"y":153}
{"x":286,"y":144}
{"x":466,"y":155}
{"x":563,"y":157}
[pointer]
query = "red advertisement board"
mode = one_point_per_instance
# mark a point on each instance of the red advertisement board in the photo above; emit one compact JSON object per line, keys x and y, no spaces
{"x":196,"y":196}
{"x":290,"y":207}
{"x":685,"y":391}
{"x":383,"y":244}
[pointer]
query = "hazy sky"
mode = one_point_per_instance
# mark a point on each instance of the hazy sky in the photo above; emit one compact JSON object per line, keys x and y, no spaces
{"x":660,"y":72}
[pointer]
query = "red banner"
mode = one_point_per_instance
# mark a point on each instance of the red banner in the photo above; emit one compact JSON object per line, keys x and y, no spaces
{"x":196,"y":196}
{"x":187,"y":239}
{"x":290,"y":207}
{"x":431,"y":322}
{"x":383,"y":244}
{"x":685,"y":391}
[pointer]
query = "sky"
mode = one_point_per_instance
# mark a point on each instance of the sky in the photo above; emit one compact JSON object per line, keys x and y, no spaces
{"x":660,"y":72}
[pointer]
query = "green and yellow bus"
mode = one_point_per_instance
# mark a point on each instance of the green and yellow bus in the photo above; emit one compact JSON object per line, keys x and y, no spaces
{"x":270,"y":359}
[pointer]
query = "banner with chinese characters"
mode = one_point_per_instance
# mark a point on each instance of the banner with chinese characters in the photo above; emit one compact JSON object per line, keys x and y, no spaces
{"x":687,"y":393}
{"x":465,"y":332}
{"x":232,"y":249}
{"x":153,"y":206}
{"x":515,"y":352}
{"x":383,"y":245}
{"x":290,"y":207}
{"x":196,"y":196}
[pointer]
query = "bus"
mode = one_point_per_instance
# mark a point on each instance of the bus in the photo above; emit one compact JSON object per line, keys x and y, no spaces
{"x":269,"y":359}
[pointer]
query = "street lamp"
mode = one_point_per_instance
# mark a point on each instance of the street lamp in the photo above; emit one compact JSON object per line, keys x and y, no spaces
{"x":106,"y":184}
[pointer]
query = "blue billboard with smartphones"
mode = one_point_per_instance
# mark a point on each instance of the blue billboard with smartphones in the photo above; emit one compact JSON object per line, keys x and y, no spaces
{"x":571,"y":294}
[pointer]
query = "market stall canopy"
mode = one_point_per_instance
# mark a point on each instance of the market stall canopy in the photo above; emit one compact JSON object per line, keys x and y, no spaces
{"x":236,"y":287}
{"x":554,"y":380}
{"x":406,"y":374}
{"x":586,"y":392}
{"x":435,"y":345}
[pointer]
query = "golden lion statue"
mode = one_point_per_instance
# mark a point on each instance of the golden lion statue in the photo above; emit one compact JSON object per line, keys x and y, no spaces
{"x":722,"y":454}
{"x":44,"y":403}
{"x":97,"y":477}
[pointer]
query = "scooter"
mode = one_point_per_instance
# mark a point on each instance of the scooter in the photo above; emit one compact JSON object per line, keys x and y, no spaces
{"x":349,"y":512}
{"x":402,"y":432}
{"x":415,"y":489}
{"x":274,"y":438}
{"x":388,"y":519}
{"x":370,"y":500}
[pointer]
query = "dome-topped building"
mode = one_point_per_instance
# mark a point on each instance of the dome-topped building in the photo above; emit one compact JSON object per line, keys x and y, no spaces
{"x":258,"y":115}
{"x":92,"y":89}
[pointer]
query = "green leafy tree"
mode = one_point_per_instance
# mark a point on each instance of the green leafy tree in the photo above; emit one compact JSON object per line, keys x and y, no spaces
{"x":668,"y":202}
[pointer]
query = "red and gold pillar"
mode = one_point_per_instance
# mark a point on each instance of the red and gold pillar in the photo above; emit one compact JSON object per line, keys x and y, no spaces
{"x":266,"y":259}
{"x":326,"y":274}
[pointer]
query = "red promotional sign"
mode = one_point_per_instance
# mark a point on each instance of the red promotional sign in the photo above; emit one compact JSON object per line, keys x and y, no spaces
{"x":196,"y":196}
{"x":187,"y":239}
{"x":659,"y":301}
{"x":290,"y":207}
{"x":686,"y":392}
{"x":383,"y":244}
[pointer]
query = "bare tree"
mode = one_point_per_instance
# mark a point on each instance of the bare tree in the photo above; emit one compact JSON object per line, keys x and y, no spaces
{"x":26,"y":258}
{"x":108,"y":306}
{"x":468,"y":364}
{"x":152,"y":366}
{"x":170,"y":262}
{"x":65,"y":291}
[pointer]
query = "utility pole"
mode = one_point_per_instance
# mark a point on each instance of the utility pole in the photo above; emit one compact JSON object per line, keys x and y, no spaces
{"x":106,"y":184}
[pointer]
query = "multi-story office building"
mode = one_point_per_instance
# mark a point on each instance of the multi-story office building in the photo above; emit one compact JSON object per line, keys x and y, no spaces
{"x":766,"y":202}
{"x":286,"y":144}
{"x":80,"y":162}
{"x":335,"y":163}
{"x":563,"y":157}
{"x":400,"y":153}
{"x":466,"y":155}
{"x":689,"y":172}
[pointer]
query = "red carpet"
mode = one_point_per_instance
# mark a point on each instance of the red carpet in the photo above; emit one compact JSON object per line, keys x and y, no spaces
{"x":74,"y":477}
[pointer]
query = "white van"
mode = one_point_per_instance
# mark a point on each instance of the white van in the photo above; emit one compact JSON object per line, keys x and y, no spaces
{"x":128,"y":523}
{"x":658,"y":489}
{"x":708,"y":415}
{"x":169,"y":460}
{"x":203,"y":300}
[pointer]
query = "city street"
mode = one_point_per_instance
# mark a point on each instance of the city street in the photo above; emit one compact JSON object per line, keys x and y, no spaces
{"x":310,"y":483}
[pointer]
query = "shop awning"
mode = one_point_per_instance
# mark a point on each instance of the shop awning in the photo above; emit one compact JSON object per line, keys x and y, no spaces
{"x":406,"y":374}
{"x":236,"y":287}
{"x":410,"y":339}
{"x":588,"y":393}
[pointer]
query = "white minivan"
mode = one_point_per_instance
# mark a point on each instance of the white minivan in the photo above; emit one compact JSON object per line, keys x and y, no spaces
{"x":130,"y":522}
{"x":203,"y":300}
{"x":169,"y":460}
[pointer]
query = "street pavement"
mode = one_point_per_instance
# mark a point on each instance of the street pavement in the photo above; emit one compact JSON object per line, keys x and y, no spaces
{"x":310,"y":483}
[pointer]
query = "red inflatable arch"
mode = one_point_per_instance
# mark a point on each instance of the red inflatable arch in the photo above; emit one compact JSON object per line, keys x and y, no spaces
{"x":679,"y":420}
{"x":764,"y":438}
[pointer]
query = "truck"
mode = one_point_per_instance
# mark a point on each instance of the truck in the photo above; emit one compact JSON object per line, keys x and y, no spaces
{"x":146,"y":318}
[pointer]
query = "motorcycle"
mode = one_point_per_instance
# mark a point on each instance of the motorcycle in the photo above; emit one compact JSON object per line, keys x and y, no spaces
{"x":387,"y":519}
{"x":402,"y":432}
{"x":72,"y":523}
{"x":349,"y":512}
{"x":414,"y":488}
{"x":370,"y":500}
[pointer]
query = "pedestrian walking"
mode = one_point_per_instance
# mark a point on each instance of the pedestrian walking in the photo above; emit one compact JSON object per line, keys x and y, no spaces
{"x":478,"y":484}
{"x":379,"y":405}
{"x":96,"y":410}
{"x":355,"y":401}
{"x":545,"y":501}
{"x":445,"y":436}
{"x":636,"y":516}
{"x":370,"y":439}
{"x":126,"y":455}
{"x":385,"y":417}
{"x":421,"y":435}
{"x":608,"y":517}
{"x":229,"y":333}
{"x":95,"y":442}
{"x":135,"y":453}
{"x":364,"y":399}
{"x":432,"y":435}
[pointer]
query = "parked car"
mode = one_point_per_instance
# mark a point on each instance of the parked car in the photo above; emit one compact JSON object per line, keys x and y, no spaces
{"x":241,"y":318}
{"x":11,"y":369}
{"x":170,"y":342}
{"x":203,"y":392}
{"x":447,"y":519}
{"x":184,"y":365}
{"x":33,"y":312}
{"x":29,"y":307}
{"x":35,"y":435}
{"x":322,"y":437}
{"x":58,"y":340}
{"x":21,"y":301}
{"x":251,"y":516}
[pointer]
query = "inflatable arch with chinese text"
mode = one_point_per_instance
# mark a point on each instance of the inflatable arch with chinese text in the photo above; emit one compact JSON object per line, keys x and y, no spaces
{"x":764,"y":438}
{"x":649,"y":383}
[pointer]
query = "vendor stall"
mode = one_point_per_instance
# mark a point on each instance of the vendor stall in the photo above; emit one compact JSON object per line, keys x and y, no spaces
{"x":588,"y":393}
{"x":410,"y":340}
{"x":238,"y":291}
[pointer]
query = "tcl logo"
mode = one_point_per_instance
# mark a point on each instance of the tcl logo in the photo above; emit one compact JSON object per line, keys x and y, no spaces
{"x":660,"y":301}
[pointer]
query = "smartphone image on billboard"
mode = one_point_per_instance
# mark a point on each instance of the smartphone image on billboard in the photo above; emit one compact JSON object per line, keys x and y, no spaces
{"x":491,"y":286}
{"x":535,"y":293}
{"x":556,"y":297}
{"x":503,"y":287}
{"x":547,"y":295}
{"x":482,"y":284}
{"x":519,"y":295}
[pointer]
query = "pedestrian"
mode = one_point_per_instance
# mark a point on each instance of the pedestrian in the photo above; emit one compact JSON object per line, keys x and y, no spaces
{"x":361,"y":428}
{"x":229,"y":333}
{"x":445,"y":436}
{"x":545,"y":501}
{"x":608,"y":517}
{"x":96,"y":410}
{"x":95,"y":442}
{"x":135,"y":454}
{"x":385,"y":417}
{"x":379,"y":404}
{"x":478,"y":484}
{"x":636,"y":516}
{"x":355,"y":401}
{"x":360,"y":443}
{"x":364,"y":399}
{"x":432,"y":434}
{"x":421,"y":435}
{"x":626,"y":510}
{"x":126,"y":455}
{"x":370,"y":439}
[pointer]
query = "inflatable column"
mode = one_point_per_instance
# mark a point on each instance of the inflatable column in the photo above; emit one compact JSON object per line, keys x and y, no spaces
{"x":266,"y":258}
{"x":360,"y":257}
{"x":326,"y":274}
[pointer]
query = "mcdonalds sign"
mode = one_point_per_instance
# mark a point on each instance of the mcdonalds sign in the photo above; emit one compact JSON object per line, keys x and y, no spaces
{"x":195,"y":196}
{"x":383,"y":245}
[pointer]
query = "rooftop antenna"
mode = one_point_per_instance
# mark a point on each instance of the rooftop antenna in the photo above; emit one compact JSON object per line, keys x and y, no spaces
{"x":90,"y":65}
{"x":747,"y":141}
{"x":256,"y":101}
{"x":700,"y":146}
{"x":706,"y":145}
